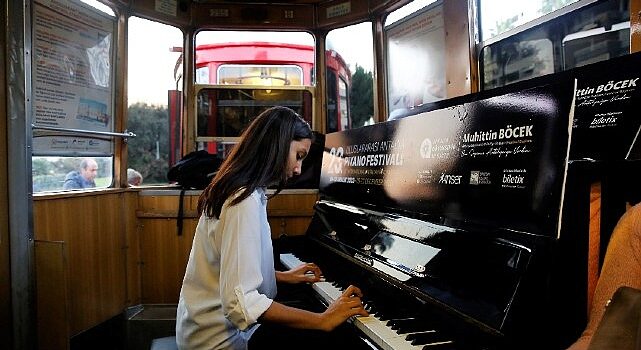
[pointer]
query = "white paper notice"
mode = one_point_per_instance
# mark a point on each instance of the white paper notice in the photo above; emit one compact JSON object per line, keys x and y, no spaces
{"x":416,"y":56}
{"x":167,"y":7}
{"x":72,"y":75}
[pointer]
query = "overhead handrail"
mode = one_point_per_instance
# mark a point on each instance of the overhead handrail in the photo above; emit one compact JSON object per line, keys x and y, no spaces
{"x":125,"y":135}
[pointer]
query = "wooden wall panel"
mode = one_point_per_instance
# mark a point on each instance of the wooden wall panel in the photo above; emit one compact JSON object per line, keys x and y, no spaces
{"x":51,"y":295}
{"x":290,"y":213}
{"x":166,"y":206}
{"x":594,"y":241}
{"x":123,"y":249}
{"x":288,"y":226}
{"x":164,"y":257}
{"x":93,"y":230}
{"x":635,"y":25}
{"x":132,"y":245}
{"x":164,"y":254}
{"x":458,"y":48}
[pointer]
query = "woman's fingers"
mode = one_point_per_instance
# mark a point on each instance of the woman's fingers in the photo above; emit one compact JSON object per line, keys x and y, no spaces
{"x":351,"y":300}
{"x":313,"y":269}
{"x":352,"y":290}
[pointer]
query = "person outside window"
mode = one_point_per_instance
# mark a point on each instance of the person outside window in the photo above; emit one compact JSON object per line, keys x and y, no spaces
{"x":228,"y":291}
{"x":83,"y":177}
{"x":134,"y":178}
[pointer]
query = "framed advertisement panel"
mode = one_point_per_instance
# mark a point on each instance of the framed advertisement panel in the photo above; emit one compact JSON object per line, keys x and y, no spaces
{"x":73,"y":80}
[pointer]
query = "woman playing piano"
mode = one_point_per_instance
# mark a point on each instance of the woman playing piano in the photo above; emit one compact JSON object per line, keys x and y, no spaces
{"x":227,"y":295}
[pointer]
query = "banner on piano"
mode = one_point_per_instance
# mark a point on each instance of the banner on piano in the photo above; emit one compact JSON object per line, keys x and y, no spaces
{"x":606,"y":120}
{"x":499,"y":161}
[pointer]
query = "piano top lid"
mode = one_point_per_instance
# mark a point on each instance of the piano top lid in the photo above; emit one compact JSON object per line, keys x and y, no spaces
{"x":499,"y":161}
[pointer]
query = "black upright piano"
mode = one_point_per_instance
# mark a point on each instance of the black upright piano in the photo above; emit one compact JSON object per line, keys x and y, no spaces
{"x":465,"y":224}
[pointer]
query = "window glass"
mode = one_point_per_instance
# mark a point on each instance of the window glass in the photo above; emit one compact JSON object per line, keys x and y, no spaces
{"x":342,"y":103}
{"x":202,"y":75}
{"x":276,"y":75}
{"x":224,"y":113}
{"x":416,"y":60}
{"x":71,"y":173}
{"x":99,"y":6}
{"x":589,"y":34}
{"x":350,"y":59}
{"x":406,"y":10}
{"x":498,"y":16}
{"x":154,"y":96}
{"x":527,"y":59}
{"x":597,"y":44}
{"x":254,"y":58}
{"x":332,"y":102}
{"x":259,"y":58}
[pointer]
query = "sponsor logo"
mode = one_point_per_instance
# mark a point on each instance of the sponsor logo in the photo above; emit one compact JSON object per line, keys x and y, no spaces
{"x":601,"y":120}
{"x":366,"y":259}
{"x":480,"y":177}
{"x":514,"y":178}
{"x":425,"y":177}
{"x":426,"y":149}
{"x":448,"y":179}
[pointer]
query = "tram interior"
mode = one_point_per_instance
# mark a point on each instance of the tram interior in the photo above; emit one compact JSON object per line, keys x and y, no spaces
{"x":102,"y":267}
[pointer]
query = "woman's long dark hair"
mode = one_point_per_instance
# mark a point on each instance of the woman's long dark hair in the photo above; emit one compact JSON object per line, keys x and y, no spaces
{"x":258,"y":160}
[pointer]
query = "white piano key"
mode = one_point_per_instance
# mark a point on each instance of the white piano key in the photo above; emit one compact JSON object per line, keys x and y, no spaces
{"x":290,"y":260}
{"x":372,"y":327}
{"x":382,"y":335}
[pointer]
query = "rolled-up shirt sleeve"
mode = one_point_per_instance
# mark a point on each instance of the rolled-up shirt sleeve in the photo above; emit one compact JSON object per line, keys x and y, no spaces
{"x":240,"y":273}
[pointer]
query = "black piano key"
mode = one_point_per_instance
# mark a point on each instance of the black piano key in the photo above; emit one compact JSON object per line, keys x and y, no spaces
{"x":441,"y":346}
{"x":388,"y":312}
{"x":424,"y":338}
{"x":369,"y":307}
{"x":395,"y":324}
{"x":412,"y":325}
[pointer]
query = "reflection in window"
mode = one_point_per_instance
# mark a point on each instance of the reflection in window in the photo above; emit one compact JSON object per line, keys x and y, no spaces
{"x":71,"y":173}
{"x":224,"y":113}
{"x":522,"y":60}
{"x":596,"y":45}
{"x":589,"y":34}
{"x":498,"y":16}
{"x":202,"y":75}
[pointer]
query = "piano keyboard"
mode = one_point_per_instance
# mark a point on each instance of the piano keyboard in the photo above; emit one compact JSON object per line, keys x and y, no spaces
{"x":388,"y":334}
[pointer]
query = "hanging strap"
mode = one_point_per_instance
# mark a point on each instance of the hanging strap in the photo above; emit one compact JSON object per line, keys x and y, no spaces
{"x":179,"y":220}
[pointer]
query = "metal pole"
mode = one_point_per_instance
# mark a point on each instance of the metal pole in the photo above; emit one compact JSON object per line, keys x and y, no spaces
{"x":18,"y":68}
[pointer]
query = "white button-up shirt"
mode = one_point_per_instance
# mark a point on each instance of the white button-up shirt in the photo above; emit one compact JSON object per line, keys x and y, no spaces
{"x":230,"y":278}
